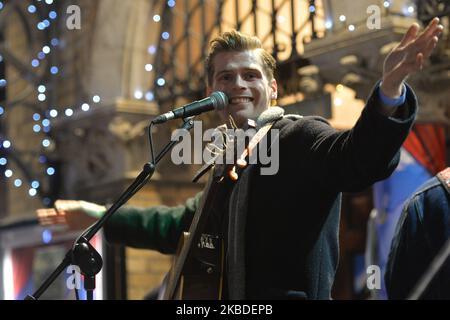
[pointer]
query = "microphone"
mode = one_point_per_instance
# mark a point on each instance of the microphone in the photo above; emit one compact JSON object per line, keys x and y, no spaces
{"x":217,"y":100}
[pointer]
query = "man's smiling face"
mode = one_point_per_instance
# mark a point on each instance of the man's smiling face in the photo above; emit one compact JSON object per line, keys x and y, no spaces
{"x":240,"y":75}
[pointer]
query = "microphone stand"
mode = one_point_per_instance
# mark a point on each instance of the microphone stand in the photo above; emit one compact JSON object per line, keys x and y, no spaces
{"x":83,"y":254}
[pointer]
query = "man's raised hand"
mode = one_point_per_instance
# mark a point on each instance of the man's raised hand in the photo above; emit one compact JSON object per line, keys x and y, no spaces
{"x":409,"y":56}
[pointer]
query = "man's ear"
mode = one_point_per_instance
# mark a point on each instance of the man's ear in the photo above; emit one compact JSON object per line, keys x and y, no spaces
{"x":274,"y":87}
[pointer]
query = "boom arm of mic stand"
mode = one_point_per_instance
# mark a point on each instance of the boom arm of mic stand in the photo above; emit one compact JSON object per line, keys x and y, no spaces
{"x":83,"y":239}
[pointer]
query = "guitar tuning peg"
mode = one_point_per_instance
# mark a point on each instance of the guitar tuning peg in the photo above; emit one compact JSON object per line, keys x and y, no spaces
{"x":241,"y":163}
{"x":232,"y":174}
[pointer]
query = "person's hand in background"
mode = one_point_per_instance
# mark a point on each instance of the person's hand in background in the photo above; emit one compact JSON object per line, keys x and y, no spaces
{"x":76,"y":214}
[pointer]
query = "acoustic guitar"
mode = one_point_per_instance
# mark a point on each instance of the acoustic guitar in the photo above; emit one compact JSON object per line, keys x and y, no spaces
{"x":197,"y":271}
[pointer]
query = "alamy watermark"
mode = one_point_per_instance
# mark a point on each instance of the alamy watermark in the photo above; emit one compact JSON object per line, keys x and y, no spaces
{"x":73,"y":20}
{"x":373,"y":277}
{"x":74,"y":279}
{"x":225,"y":146}
{"x":374,"y":20}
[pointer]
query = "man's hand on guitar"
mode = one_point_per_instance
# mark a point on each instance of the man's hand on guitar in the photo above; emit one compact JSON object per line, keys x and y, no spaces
{"x":76,"y":214}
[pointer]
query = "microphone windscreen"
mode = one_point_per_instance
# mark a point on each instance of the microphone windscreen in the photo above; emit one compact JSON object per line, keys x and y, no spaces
{"x":219,"y":99}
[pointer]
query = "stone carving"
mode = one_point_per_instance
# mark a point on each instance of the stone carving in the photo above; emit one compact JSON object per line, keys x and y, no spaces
{"x":127,"y":131}
{"x":90,"y":155}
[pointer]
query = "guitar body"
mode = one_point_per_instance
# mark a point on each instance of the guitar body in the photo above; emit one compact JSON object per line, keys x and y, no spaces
{"x":202,"y":274}
{"x":197,"y":270}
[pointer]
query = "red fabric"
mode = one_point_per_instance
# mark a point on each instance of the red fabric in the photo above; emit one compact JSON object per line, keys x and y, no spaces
{"x":22,"y":263}
{"x":426,"y":143}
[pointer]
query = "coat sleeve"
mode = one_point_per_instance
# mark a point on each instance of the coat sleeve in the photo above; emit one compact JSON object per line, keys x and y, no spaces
{"x":157,"y":228}
{"x":354,"y":159}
